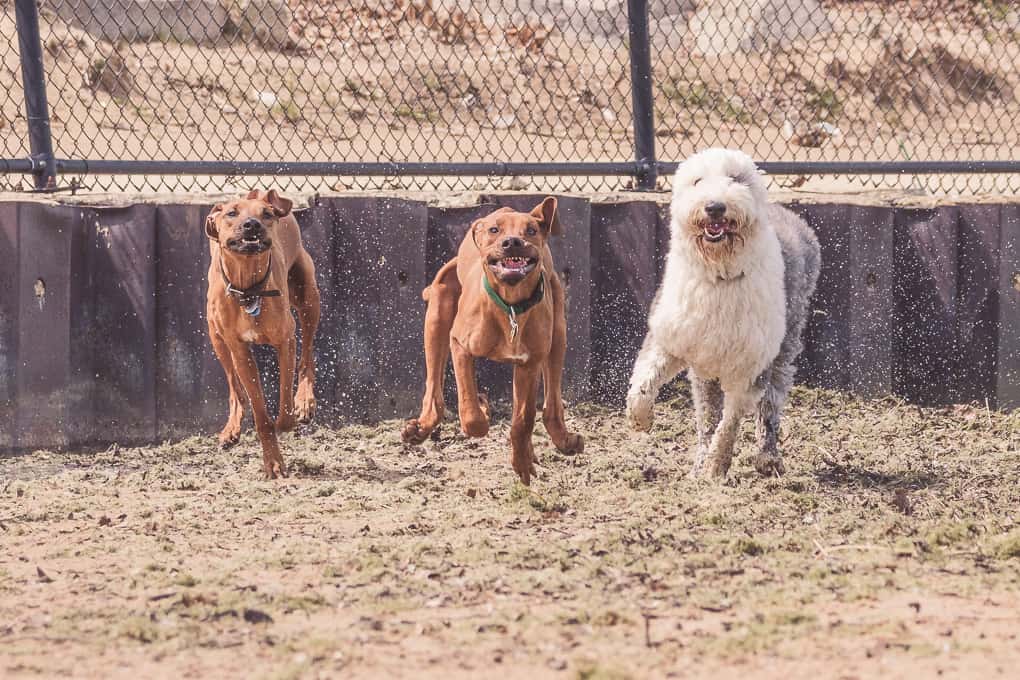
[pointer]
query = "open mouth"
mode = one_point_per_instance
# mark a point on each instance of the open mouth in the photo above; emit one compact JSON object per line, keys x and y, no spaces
{"x":249,"y":245}
{"x":513,"y":268}
{"x":714,"y":232}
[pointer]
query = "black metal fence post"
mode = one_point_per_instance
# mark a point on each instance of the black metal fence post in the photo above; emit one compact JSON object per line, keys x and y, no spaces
{"x":641,"y":94}
{"x":33,"y":80}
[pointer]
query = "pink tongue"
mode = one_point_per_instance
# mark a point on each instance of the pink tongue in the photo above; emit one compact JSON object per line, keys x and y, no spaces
{"x":514,"y":264}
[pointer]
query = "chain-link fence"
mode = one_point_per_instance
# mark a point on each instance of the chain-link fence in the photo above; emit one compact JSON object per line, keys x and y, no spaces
{"x":333,"y":94}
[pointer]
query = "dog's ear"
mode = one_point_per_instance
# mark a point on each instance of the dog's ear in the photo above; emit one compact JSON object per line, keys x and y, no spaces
{"x":210,"y":222}
{"x":281,"y":205}
{"x":473,"y":230}
{"x":547,"y":215}
{"x":252,"y":195}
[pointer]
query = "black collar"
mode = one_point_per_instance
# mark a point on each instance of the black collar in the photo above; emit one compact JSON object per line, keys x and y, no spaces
{"x":250,"y":298}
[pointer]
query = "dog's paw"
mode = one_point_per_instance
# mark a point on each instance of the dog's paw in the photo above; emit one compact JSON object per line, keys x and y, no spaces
{"x":708,"y":466}
{"x":229,"y":436}
{"x":573,"y":445}
{"x":413,"y":432}
{"x":273,"y":466}
{"x":524,"y":466}
{"x":304,"y":408}
{"x":286,"y":423}
{"x":639,"y":412}
{"x":768,"y":465}
{"x":475,"y":427}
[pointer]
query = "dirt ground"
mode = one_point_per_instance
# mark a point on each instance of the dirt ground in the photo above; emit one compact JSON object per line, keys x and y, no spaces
{"x":890,"y":549}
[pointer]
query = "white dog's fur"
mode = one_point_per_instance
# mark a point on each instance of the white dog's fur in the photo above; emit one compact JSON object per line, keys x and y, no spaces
{"x":731,"y":311}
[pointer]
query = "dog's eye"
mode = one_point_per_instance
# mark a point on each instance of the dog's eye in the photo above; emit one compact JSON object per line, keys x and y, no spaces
{"x":267,"y":213}
{"x":739,"y":179}
{"x":493,"y":230}
{"x":531,"y":231}
{"x":232,"y":213}
{"x":695,"y":182}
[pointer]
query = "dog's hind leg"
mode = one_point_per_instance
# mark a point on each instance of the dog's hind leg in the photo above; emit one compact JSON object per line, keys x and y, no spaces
{"x":304,"y":297}
{"x":231,"y":432}
{"x":552,"y":375}
{"x":708,"y":409}
{"x":287,"y":353}
{"x":653,"y":369}
{"x":776,"y":382}
{"x":442,"y":296}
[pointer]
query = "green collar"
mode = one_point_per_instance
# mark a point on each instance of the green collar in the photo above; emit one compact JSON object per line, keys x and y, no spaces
{"x":519,"y":307}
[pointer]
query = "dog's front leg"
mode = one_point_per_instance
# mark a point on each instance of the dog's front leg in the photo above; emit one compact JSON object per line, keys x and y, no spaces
{"x":474,"y":420}
{"x":708,"y":408}
{"x":736,"y":404}
{"x":248,"y":372}
{"x":522,"y":423}
{"x":287,"y":353}
{"x":653,"y":369}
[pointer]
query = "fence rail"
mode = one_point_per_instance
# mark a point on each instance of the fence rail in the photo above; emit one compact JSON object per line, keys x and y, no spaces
{"x":552,"y":94}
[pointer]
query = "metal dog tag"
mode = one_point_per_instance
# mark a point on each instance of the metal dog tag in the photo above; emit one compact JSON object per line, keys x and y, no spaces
{"x":255,"y":308}
{"x":513,"y":324}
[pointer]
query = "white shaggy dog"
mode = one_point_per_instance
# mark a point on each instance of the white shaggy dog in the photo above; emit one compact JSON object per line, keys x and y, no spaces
{"x":731,"y":308}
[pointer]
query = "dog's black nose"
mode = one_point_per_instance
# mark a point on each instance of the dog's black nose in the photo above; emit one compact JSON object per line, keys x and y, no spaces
{"x":715,"y":210}
{"x":512,"y":242}
{"x":251,"y":226}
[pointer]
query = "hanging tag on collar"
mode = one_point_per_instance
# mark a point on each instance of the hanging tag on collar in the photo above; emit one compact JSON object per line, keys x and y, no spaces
{"x":513,"y":324}
{"x":255,"y":308}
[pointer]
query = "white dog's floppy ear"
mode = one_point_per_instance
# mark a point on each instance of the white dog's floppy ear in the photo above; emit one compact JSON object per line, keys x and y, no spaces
{"x":210,"y":222}
{"x":281,"y":205}
{"x":547,"y":215}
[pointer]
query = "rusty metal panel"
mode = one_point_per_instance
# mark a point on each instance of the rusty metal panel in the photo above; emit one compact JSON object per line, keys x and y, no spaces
{"x":45,"y":240}
{"x":624,"y":273}
{"x":113,"y":335}
{"x":978,"y":296}
{"x":848,"y":340}
{"x":1007,"y":374}
{"x":572,"y":256}
{"x":925,"y":342}
{"x":9,"y":281}
{"x":379,"y":274}
{"x":191,"y":390}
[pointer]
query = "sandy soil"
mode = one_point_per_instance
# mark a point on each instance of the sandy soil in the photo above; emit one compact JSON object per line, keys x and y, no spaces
{"x":890,"y":549}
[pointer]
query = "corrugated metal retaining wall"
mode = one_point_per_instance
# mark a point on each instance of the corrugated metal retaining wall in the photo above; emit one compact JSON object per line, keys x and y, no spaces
{"x":103,"y":337}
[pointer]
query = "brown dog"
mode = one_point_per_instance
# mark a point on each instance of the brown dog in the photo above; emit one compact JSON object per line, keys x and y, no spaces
{"x":258,"y":272}
{"x":501,"y":299}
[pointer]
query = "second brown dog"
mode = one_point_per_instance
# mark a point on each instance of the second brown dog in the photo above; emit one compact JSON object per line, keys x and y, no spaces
{"x":258,"y":272}
{"x":500,"y":299}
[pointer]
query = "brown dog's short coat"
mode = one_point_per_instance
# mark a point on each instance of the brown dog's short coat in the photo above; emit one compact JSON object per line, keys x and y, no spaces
{"x":508,"y":251}
{"x":259,"y":270}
